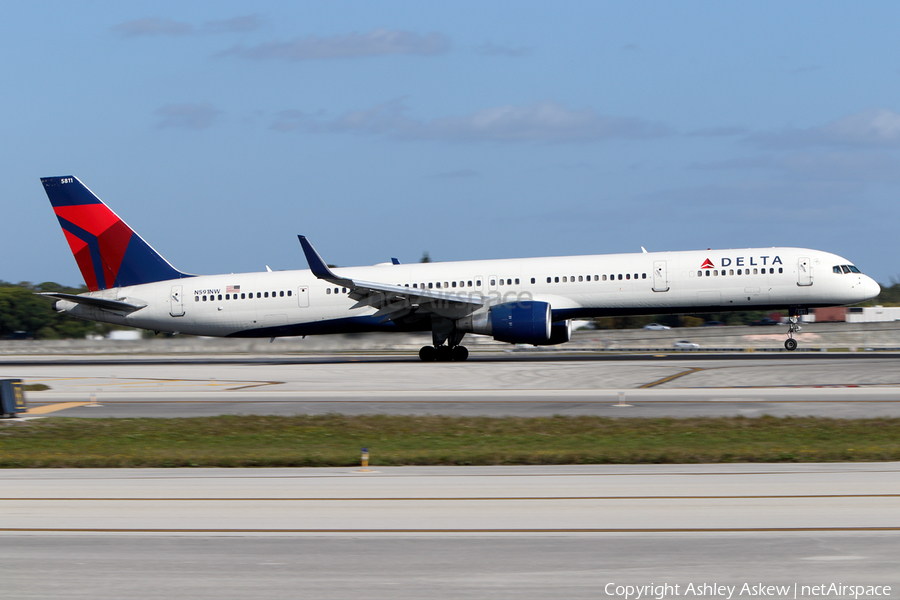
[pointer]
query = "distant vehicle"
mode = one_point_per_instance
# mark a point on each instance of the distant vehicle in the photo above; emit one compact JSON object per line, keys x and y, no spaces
{"x":764,"y":321}
{"x":20,"y":335}
{"x":713,"y":324}
{"x":686,"y":345}
{"x":656,"y":327}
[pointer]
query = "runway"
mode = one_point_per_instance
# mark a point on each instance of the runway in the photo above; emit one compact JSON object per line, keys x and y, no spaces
{"x":444,"y":532}
{"x":844,"y":385}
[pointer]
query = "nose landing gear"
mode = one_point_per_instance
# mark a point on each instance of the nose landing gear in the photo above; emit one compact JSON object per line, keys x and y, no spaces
{"x":790,"y":344}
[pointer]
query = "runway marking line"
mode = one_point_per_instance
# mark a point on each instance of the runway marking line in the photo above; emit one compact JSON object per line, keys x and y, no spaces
{"x":461,"y":530}
{"x":454,"y":498}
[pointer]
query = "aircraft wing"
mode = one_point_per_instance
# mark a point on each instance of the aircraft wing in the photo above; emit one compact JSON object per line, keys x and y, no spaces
{"x":394,"y":302}
{"x":114,"y":305}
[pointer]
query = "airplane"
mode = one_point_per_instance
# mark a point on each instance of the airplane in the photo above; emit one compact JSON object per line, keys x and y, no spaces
{"x":519,"y":301}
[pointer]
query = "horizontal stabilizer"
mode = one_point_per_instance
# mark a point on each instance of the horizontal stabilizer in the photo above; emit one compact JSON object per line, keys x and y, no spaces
{"x":114,"y":305}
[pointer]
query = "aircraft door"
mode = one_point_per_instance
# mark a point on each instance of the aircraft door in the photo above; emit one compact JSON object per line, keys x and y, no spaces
{"x":660,"y":276}
{"x":303,"y":296}
{"x":176,"y":302}
{"x":804,"y":272}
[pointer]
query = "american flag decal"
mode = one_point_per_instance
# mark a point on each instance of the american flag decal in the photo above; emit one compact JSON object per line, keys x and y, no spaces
{"x":232,"y":289}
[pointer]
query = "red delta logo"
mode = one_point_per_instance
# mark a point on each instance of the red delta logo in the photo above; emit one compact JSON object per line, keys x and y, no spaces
{"x":707,"y":264}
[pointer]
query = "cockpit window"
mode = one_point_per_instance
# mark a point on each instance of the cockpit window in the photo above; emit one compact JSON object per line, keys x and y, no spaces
{"x":840,"y":270}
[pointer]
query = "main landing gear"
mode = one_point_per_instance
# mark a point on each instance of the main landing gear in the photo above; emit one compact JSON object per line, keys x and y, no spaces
{"x":443,"y":353}
{"x":446,"y":338}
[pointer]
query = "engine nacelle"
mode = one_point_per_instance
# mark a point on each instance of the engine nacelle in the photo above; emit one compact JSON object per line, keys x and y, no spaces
{"x":560,"y":333}
{"x":513,"y":322}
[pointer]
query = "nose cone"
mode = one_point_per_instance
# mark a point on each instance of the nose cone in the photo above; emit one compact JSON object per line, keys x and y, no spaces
{"x":871,"y":289}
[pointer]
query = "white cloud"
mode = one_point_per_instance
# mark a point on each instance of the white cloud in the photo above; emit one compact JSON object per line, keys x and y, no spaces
{"x":379,"y":42}
{"x":540,"y":122}
{"x":187,"y":116}
{"x":870,"y":128}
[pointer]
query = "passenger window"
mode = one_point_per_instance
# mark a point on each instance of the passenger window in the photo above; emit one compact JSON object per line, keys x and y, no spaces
{"x":438,"y":285}
{"x":620,"y":277}
{"x":581,"y":278}
{"x":604,"y":278}
{"x":780,"y":269}
{"x":715,"y":273}
{"x":509,"y":282}
{"x":501,"y":282}
{"x":327,"y":290}
{"x":548,"y":280}
{"x":454,"y":284}
{"x":565,"y":279}
{"x":517,"y":281}
{"x":643,"y":276}
{"x":597,"y":277}
{"x":267,"y":294}
{"x":731,"y":271}
{"x":204,"y":298}
{"x":532,"y":280}
{"x":220,"y":296}
{"x":627,"y":275}
{"x":756,"y":271}
{"x":196,"y":298}
{"x":430,"y":285}
{"x":556,"y":280}
{"x":699,"y":273}
{"x":740,"y":272}
{"x":478,"y":282}
{"x":289,"y":291}
{"x":707,"y":272}
{"x":470,"y":283}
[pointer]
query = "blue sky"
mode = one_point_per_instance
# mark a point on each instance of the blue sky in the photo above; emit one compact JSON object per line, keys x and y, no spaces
{"x":220,"y":130}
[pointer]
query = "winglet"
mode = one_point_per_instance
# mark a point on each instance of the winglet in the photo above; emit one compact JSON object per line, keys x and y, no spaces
{"x":318,"y":266}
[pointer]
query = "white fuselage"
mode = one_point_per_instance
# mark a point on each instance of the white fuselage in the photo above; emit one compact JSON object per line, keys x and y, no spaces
{"x":297,"y":303}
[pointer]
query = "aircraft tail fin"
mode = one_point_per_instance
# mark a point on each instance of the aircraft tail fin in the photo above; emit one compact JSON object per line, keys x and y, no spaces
{"x":108,"y":252}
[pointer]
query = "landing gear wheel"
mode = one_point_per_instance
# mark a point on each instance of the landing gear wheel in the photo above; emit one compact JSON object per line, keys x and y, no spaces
{"x":460,"y":353}
{"x":444,"y":354}
{"x":790,"y":344}
{"x":427,"y":354}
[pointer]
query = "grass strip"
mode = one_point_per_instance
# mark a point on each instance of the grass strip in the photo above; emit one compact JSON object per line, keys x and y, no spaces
{"x":335,"y":440}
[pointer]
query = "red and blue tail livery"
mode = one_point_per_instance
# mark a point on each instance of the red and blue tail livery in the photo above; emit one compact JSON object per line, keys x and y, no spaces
{"x":108,"y":252}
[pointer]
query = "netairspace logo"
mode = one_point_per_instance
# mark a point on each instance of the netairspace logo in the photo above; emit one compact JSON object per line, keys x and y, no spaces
{"x":756,"y":589}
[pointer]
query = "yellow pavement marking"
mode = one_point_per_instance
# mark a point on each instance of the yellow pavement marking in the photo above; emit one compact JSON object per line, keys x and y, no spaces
{"x":49,"y":408}
{"x":690,"y":371}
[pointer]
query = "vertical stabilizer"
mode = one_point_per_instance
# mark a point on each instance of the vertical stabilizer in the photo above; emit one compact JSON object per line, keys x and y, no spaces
{"x":108,"y":252}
